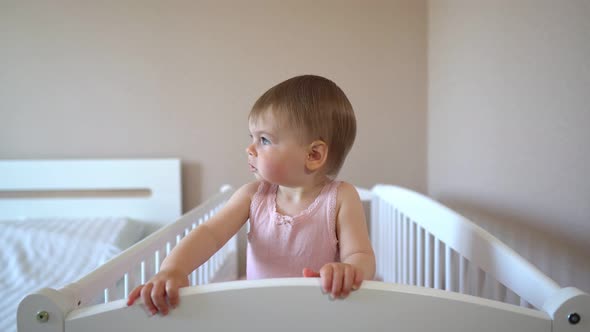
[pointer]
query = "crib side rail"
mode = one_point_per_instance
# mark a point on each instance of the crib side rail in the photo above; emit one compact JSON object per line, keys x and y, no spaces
{"x":434,"y":246}
{"x":376,"y":306}
{"x":141,"y":261}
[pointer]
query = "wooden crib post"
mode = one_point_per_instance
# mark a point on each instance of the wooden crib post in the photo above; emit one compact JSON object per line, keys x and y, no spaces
{"x":44,"y":311}
{"x":569,"y":308}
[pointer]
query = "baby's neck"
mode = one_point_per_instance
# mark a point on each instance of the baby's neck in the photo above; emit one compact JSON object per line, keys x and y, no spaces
{"x":303,"y":193}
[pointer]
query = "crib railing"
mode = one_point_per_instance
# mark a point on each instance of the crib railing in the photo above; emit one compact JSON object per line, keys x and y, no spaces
{"x":420,"y":242}
{"x":116,"y":278}
{"x":416,"y":240}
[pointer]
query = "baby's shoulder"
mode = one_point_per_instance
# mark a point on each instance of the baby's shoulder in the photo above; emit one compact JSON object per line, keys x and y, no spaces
{"x":243,"y":196}
{"x":347,"y":192}
{"x":347,"y":195}
{"x":250,"y":189}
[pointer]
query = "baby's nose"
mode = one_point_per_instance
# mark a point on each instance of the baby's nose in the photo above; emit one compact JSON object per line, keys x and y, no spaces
{"x":250,"y":150}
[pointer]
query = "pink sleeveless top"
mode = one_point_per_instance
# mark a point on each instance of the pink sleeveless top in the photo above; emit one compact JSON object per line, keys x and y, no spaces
{"x":281,"y":246}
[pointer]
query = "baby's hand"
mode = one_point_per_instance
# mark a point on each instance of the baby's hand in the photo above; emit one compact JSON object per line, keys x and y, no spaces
{"x":337,"y":278}
{"x":160,"y":292}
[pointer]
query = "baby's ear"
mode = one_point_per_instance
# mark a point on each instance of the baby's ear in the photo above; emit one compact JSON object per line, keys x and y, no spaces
{"x":317,"y":155}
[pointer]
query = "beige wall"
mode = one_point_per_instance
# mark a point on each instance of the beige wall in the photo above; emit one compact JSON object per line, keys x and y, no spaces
{"x":130,"y":79}
{"x":509,"y":123}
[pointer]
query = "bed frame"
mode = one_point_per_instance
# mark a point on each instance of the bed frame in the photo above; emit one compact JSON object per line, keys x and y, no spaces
{"x":439,"y":271}
{"x":148,"y":190}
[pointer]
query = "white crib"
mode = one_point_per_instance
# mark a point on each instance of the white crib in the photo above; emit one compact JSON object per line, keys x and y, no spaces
{"x":439,"y":271}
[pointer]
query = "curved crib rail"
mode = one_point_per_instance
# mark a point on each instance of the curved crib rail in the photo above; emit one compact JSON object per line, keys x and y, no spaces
{"x":433,"y":246}
{"x":147,"y":255}
{"x":293,"y":305}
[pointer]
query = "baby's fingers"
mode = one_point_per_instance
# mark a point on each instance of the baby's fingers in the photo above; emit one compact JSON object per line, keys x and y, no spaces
{"x":309,"y":273}
{"x":337,"y":281}
{"x":349,"y":274}
{"x":146,"y":296}
{"x":134,"y":295}
{"x":326,"y":274}
{"x":358,"y":279}
{"x":159,"y":297}
{"x":172,"y":291}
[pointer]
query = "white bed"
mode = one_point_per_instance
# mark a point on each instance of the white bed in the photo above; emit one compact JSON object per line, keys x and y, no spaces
{"x":439,"y":271}
{"x":59,"y":220}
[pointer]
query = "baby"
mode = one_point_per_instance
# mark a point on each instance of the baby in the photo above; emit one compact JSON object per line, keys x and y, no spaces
{"x":302,"y":221}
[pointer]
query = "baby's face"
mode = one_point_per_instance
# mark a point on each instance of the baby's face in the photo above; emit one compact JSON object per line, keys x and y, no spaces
{"x":275,"y":153}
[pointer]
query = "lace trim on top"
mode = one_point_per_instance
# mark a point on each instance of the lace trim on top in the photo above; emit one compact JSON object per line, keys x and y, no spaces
{"x":281,"y":219}
{"x":257,"y":198}
{"x":332,"y":200}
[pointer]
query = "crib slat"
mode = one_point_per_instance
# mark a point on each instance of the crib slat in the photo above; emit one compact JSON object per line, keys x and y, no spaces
{"x":376,"y":235}
{"x":498,"y":291}
{"x":193,"y":277}
{"x":437,"y":264}
{"x":389,"y":244}
{"x":503,"y":293}
{"x":220,"y":258}
{"x":428,"y":258}
{"x":393,"y":245}
{"x":201,"y":275}
{"x":463,"y":275}
{"x":454,"y":261}
{"x":512,"y":297}
{"x":420,"y":257}
{"x":168,"y":248}
{"x":402,"y":249}
{"x":156,"y":262}
{"x":126,"y":285}
{"x":142,"y":272}
{"x":207,"y":271}
{"x":110,"y":294}
{"x":388,"y":228}
{"x":448,"y":269}
{"x":412,"y":256}
{"x":398,"y":242}
{"x":405,"y":255}
{"x":479,"y":283}
{"x":214,"y":260}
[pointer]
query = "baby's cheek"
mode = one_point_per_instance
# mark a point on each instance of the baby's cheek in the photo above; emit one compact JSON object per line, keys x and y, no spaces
{"x":277,"y":171}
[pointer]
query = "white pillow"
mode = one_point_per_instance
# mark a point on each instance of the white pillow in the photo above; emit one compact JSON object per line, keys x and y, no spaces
{"x":53,"y":252}
{"x":130,"y":233}
{"x":119,"y":232}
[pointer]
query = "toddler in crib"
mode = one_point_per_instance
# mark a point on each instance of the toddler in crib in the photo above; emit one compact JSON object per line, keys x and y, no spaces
{"x":302,"y":221}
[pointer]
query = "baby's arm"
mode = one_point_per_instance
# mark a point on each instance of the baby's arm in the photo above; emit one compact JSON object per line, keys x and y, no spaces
{"x":353,"y":236}
{"x":195,"y":249}
{"x":357,"y":260}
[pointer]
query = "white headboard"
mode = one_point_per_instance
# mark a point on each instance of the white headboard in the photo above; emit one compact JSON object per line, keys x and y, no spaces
{"x":144,"y":189}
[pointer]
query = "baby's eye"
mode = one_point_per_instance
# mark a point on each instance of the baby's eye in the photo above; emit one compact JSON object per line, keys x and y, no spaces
{"x":264,"y":141}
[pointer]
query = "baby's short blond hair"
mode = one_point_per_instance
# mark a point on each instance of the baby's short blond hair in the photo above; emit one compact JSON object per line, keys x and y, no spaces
{"x":316,"y":108}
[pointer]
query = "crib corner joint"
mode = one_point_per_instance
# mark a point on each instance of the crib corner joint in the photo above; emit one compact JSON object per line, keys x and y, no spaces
{"x":569,"y":308}
{"x":44,"y":310}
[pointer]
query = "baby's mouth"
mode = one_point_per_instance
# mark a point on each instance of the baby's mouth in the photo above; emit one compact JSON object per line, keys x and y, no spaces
{"x":252,"y":168}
